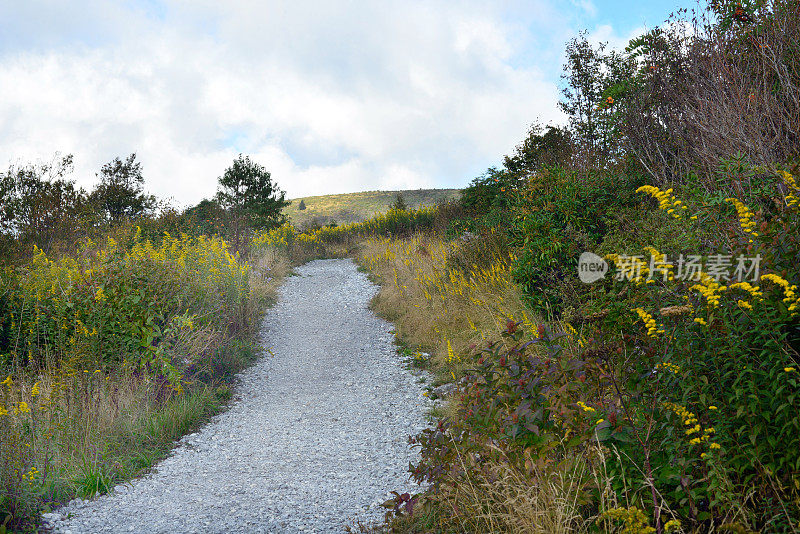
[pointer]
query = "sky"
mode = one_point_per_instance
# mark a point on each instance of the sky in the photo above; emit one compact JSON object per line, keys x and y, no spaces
{"x":330,"y":97}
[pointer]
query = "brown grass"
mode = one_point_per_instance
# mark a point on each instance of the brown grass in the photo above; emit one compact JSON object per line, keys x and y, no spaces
{"x":451,"y":298}
{"x":447,"y":298}
{"x":500,"y":498}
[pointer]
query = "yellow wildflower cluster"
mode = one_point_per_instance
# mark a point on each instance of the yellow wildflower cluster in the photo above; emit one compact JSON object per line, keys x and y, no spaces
{"x":433,"y":276}
{"x":638,"y":270}
{"x":649,"y":322}
{"x":666,"y":200}
{"x":447,"y":291}
{"x":703,"y":435}
{"x":660,"y":266}
{"x":22,"y":408}
{"x":528,"y":325}
{"x":582,"y":405}
{"x":793,"y":197}
{"x":710,"y":289}
{"x":687,"y":417}
{"x":674,"y":369}
{"x":31,"y":475}
{"x":790,"y":297}
{"x":754,"y":291}
{"x":58,"y":304}
{"x":100,"y":295}
{"x":574,"y":335}
{"x":391,"y":220}
{"x":452,"y":357}
{"x":745,"y":217}
{"x":279,"y":237}
{"x":634,"y":520}
{"x":695,"y":432}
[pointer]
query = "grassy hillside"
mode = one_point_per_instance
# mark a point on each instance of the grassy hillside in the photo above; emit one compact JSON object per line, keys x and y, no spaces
{"x":355,"y":207}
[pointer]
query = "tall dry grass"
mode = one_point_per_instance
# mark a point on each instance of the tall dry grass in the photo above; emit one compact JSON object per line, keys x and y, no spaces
{"x":445,"y":297}
{"x":452,"y":298}
{"x":499,"y":497}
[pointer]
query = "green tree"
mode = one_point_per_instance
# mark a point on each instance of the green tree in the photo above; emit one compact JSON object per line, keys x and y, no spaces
{"x":120,"y":193}
{"x":399,"y":203}
{"x":40,"y":205}
{"x":7,"y":190}
{"x":206,"y":218}
{"x":543,"y":147}
{"x":301,"y":206}
{"x":550,"y":146}
{"x":252,"y":200}
{"x":596,"y":81}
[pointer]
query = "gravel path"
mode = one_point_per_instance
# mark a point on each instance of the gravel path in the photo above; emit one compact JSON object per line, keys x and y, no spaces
{"x":316,"y":436}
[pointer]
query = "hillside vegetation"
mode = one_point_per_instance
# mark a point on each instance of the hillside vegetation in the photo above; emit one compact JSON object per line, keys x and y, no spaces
{"x":660,"y":396}
{"x":120,"y":327}
{"x":355,"y":207}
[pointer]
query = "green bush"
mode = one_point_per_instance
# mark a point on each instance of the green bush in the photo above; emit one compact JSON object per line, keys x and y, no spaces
{"x":558,"y":215}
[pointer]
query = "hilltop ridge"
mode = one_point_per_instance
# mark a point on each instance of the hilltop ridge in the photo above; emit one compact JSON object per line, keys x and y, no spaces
{"x":354,"y":207}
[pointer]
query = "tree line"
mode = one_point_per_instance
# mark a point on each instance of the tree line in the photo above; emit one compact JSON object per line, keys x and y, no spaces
{"x":41,"y":205}
{"x":714,"y":84}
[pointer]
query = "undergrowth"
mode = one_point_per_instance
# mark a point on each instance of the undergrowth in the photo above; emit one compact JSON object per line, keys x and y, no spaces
{"x":661,"y":398}
{"x":111,"y":354}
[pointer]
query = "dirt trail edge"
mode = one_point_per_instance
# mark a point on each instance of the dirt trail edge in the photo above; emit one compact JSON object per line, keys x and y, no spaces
{"x":315,"y":438}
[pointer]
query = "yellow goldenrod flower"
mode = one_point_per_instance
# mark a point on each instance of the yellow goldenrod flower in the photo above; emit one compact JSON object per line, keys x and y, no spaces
{"x":789,"y":369}
{"x":649,"y":322}
{"x":745,"y":217}
{"x":775,"y":279}
{"x":789,"y":292}
{"x":793,"y":195}
{"x":666,"y":200}
{"x":675,"y":369}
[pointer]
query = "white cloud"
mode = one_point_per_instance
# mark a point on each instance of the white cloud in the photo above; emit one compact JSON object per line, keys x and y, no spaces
{"x":330,"y":97}
{"x":587,"y":6}
{"x":606,"y":33}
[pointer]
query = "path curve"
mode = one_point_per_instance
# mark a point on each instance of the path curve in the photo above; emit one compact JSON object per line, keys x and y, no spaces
{"x":316,"y":437}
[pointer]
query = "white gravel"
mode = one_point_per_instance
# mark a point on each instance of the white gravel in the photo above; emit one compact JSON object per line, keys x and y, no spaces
{"x":315,"y":439}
